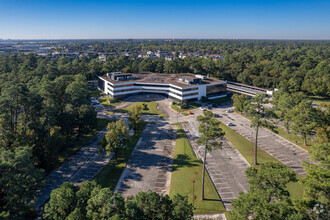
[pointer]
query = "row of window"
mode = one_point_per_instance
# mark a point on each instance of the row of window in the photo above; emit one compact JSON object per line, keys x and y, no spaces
{"x":148,"y":85}
{"x":154,"y":90}
{"x":190,"y":94}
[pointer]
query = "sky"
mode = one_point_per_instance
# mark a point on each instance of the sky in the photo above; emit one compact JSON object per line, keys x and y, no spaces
{"x":136,"y":19}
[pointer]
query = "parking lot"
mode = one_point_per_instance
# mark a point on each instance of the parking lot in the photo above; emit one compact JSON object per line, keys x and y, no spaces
{"x":226,"y":166}
{"x":283,"y":150}
{"x":150,"y":165}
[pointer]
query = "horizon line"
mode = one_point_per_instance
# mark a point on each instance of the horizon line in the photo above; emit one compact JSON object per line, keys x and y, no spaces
{"x":40,"y":39}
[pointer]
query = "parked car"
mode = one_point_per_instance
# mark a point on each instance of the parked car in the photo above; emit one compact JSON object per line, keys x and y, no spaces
{"x":230,"y":124}
{"x":229,"y":111}
{"x":189,"y":112}
{"x":201,"y":108}
{"x":217,"y":116}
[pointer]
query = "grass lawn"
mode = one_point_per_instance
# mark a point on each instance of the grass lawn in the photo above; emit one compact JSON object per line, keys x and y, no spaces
{"x":190,"y":106}
{"x":73,"y":145}
{"x":188,"y":168}
{"x":152,"y":108}
{"x":246,"y":148}
{"x":105,"y":101}
{"x":298,"y":140}
{"x":110,"y":174}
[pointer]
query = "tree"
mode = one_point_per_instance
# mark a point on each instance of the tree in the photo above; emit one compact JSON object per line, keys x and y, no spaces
{"x":210,"y":134}
{"x":240,"y":102}
{"x":181,"y":208}
{"x":304,"y":119}
{"x":62,"y":202}
{"x":135,"y":117}
{"x":90,"y":201}
{"x":260,"y":116}
{"x":19,"y":183}
{"x":286,"y":102}
{"x":103,"y":204}
{"x":316,"y":199}
{"x":116,"y":138}
{"x":268,"y":197}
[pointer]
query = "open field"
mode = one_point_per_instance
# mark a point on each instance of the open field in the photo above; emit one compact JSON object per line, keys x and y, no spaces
{"x":111,"y":173}
{"x":246,"y":148}
{"x":188,"y":168}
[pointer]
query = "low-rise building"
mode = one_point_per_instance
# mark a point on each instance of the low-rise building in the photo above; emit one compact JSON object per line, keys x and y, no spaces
{"x":179,"y":87}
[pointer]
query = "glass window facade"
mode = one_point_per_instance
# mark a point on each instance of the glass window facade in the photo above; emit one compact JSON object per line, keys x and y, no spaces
{"x":216,"y":90}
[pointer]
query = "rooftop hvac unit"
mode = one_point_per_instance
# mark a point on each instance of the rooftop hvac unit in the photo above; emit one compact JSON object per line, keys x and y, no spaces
{"x":200,"y":76}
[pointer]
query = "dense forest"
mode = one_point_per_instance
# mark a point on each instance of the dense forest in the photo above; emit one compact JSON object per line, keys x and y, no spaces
{"x":39,"y":114}
{"x":45,"y":102}
{"x":291,"y":65}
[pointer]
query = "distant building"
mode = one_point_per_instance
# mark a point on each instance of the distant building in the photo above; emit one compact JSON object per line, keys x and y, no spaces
{"x":103,"y":57}
{"x":178,"y":87}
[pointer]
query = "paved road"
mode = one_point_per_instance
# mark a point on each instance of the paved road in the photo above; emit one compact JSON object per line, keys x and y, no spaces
{"x":150,"y":165}
{"x":286,"y":152}
{"x":226,"y":166}
{"x":82,"y":166}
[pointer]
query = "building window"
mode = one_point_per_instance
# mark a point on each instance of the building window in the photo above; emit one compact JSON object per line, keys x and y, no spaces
{"x":150,"y":85}
{"x":190,"y":94}
{"x":215,"y":90}
{"x":190,"y":89}
{"x":120,"y":85}
{"x":101,"y":84}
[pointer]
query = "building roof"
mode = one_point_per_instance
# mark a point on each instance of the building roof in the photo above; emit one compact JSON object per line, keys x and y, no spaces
{"x":148,"y":77}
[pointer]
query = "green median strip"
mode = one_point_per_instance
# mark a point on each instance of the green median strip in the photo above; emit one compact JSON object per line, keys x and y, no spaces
{"x":187,"y":168}
{"x":246,"y":148}
{"x":110,"y":174}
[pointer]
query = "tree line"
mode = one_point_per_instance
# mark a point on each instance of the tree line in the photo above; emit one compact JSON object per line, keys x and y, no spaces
{"x":90,"y":201}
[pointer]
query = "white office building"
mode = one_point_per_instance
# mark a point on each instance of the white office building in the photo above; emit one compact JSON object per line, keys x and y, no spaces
{"x":179,"y":87}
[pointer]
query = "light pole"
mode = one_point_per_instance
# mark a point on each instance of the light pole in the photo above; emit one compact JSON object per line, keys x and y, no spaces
{"x":193,"y":196}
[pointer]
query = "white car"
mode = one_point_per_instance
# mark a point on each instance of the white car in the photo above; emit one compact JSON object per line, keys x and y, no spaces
{"x":230,"y":124}
{"x":229,"y":111}
{"x":201,"y":108}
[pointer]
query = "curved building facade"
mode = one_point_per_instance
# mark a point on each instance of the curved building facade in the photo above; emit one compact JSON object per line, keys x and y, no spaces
{"x":179,"y":87}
